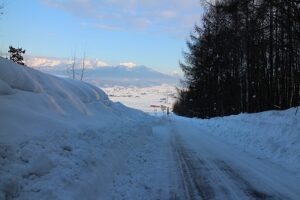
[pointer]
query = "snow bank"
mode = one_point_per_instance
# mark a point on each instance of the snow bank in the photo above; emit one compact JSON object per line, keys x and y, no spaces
{"x":274,"y":135}
{"x":60,"y":138}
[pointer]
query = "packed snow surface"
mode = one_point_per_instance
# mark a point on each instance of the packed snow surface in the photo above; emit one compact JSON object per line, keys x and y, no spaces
{"x":273,"y":134}
{"x":143,"y":98}
{"x":65,"y":139}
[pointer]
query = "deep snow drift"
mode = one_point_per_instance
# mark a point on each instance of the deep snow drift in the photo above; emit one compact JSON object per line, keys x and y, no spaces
{"x":62,"y":139}
{"x":31,"y":96}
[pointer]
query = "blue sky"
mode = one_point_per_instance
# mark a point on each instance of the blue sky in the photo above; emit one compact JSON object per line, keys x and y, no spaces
{"x":145,"y":32}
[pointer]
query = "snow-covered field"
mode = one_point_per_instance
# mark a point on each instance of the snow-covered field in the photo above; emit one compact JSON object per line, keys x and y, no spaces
{"x":143,"y":97}
{"x":65,"y":139}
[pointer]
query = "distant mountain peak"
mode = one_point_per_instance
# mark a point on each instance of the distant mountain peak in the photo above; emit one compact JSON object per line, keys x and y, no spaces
{"x":128,"y":65}
{"x":102,"y":74}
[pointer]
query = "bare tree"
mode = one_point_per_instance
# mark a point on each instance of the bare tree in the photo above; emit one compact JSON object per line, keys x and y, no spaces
{"x":297,"y":108}
{"x":73,"y":65}
{"x":83,"y":66}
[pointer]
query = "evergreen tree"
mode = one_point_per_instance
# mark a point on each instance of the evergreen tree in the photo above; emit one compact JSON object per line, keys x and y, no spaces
{"x":16,"y":55}
{"x":245,"y":57}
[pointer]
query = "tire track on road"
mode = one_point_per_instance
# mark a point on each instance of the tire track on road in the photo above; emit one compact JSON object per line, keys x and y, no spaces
{"x":194,"y":174}
{"x":249,"y":190}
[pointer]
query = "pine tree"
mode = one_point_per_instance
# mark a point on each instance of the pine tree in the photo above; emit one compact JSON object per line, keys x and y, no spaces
{"x":16,"y":55}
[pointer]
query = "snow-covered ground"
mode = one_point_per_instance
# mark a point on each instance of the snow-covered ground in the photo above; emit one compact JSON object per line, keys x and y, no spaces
{"x":143,"y":97}
{"x":65,"y":139}
{"x":210,"y":167}
{"x":62,"y":139}
{"x":274,"y":135}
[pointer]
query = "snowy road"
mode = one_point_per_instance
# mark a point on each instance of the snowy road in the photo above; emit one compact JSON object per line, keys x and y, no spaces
{"x":201,"y":167}
{"x":85,"y":146}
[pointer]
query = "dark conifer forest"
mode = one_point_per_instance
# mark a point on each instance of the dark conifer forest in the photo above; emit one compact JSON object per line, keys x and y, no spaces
{"x":244,"y":57}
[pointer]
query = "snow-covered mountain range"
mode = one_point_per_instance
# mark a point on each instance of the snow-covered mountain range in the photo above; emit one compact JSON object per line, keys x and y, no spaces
{"x":103,"y":74}
{"x":139,"y":76}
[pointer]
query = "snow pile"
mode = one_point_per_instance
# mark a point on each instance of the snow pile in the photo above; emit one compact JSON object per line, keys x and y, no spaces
{"x":274,"y":135}
{"x":62,"y":139}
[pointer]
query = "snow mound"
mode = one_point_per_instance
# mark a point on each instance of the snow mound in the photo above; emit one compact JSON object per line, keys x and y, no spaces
{"x":22,"y":78}
{"x":18,"y":77}
{"x":5,"y":89}
{"x":36,"y":101}
{"x":60,"y":138}
{"x":274,"y":135}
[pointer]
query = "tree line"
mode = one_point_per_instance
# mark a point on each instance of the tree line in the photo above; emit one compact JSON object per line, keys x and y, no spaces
{"x":245,"y":57}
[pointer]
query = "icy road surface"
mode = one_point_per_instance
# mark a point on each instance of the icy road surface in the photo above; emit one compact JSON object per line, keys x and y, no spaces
{"x":192,"y":164}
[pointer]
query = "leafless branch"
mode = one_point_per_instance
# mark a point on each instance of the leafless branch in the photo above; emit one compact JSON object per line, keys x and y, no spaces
{"x":83,"y":67}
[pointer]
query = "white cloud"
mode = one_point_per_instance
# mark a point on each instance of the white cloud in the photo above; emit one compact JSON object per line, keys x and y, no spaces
{"x":168,"y":14}
{"x":124,"y":14}
{"x":107,"y":27}
{"x":141,"y":23}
